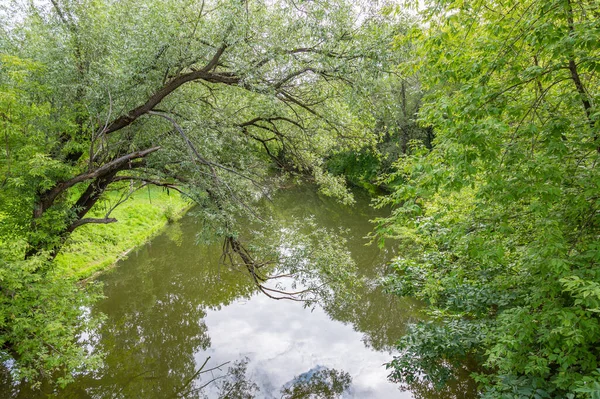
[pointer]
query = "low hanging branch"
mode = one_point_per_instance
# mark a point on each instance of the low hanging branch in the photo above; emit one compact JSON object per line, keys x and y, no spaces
{"x":212,"y":165}
{"x":171,"y":186}
{"x":197,"y":154}
{"x":233,"y":246}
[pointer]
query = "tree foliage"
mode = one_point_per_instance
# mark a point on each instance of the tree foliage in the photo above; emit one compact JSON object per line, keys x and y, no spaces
{"x":395,"y":99}
{"x":40,"y":311}
{"x":499,"y":223}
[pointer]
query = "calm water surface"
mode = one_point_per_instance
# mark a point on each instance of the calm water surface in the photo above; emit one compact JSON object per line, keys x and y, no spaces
{"x":172,"y":307}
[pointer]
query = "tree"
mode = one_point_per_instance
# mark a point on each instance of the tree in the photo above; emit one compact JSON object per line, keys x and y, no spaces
{"x":395,"y":99}
{"x":201,"y":97}
{"x":40,"y":311}
{"x":500,"y":222}
{"x":188,"y":93}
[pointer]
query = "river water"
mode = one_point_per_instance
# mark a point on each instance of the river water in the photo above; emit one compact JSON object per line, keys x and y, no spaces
{"x":180,"y":323}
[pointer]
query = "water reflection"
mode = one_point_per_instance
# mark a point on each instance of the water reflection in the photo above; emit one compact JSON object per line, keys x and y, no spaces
{"x":379,"y":316}
{"x":318,"y":382}
{"x":173,"y":304}
{"x":457,"y":388}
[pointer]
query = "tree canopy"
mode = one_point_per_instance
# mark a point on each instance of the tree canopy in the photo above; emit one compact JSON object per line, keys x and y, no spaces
{"x":171,"y":93}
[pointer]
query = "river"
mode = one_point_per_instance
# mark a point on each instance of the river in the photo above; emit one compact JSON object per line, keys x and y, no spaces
{"x":180,"y":323}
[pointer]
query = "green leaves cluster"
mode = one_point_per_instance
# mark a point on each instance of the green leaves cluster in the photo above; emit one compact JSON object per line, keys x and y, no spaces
{"x":499,"y":223}
{"x":41,"y":312}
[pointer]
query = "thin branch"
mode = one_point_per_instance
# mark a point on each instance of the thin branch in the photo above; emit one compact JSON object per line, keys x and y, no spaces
{"x":181,"y":390}
{"x":232,"y":245}
{"x":171,"y":186}
{"x":585,"y":98}
{"x":227,"y":78}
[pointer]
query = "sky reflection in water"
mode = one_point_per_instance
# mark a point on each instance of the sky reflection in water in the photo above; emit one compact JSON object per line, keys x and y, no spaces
{"x":283,"y":340}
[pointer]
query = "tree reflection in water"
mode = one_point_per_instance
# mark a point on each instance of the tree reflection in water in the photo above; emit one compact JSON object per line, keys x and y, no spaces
{"x":461,"y":387}
{"x":318,"y":383}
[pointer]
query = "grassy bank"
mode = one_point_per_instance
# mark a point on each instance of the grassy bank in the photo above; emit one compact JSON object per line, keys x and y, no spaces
{"x":94,"y":247}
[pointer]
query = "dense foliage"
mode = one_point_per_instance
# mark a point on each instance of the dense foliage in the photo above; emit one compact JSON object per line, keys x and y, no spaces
{"x":500,"y":221}
{"x":41,"y":311}
{"x":395,"y":100}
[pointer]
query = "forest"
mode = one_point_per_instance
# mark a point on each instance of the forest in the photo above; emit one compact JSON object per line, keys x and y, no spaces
{"x":471,"y":126}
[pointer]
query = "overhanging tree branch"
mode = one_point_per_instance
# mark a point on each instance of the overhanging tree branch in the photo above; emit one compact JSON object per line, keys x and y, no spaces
{"x":110,"y":167}
{"x":204,"y":74}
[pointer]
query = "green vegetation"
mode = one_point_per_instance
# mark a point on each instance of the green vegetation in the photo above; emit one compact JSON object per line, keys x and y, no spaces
{"x":94,"y":247}
{"x":395,"y":101}
{"x":479,"y":119}
{"x":500,"y":221}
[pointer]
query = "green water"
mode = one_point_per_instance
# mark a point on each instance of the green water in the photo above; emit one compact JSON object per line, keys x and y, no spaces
{"x":173,"y":304}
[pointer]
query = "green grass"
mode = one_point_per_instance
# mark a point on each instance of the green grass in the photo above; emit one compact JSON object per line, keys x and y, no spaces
{"x":94,"y":247}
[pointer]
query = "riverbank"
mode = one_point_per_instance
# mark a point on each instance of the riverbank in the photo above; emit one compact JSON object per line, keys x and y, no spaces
{"x":95,"y":247}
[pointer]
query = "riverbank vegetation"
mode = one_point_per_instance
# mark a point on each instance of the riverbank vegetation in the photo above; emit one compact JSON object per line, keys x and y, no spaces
{"x":478,"y":121}
{"x":500,"y":221}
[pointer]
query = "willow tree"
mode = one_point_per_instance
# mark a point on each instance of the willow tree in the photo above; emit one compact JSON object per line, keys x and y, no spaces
{"x":192,"y":93}
{"x":500,"y":220}
{"x":202,"y":97}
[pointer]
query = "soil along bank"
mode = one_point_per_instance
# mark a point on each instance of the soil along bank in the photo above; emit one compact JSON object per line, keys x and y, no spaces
{"x":94,"y":247}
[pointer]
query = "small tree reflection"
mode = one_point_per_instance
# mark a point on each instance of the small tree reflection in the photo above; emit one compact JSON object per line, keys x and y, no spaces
{"x":236,"y":385}
{"x":318,"y":383}
{"x":231,"y":385}
{"x":460,"y":385}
